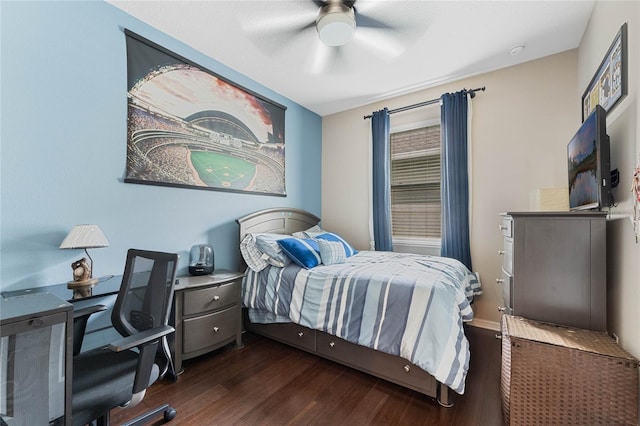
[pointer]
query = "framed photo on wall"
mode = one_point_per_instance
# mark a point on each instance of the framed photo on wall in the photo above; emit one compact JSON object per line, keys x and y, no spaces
{"x":189,"y":127}
{"x":609,"y":84}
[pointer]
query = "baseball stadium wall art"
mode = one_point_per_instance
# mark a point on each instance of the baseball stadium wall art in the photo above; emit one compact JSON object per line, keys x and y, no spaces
{"x":189,"y":127}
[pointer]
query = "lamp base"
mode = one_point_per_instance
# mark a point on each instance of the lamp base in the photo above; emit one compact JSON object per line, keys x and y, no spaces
{"x":82,"y":289}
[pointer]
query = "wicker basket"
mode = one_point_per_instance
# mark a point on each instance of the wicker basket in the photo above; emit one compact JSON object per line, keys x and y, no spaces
{"x":553,"y":375}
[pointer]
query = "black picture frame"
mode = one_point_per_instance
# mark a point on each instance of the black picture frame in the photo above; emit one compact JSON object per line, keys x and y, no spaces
{"x":609,"y":84}
{"x":189,"y":127}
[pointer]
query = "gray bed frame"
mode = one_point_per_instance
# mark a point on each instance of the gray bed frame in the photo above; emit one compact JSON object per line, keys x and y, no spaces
{"x":388,"y":367}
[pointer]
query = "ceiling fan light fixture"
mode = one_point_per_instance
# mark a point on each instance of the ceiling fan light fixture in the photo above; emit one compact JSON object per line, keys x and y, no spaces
{"x":336,"y":24}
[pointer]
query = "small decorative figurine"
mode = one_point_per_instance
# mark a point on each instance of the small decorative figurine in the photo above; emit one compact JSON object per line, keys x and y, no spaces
{"x":81,"y":270}
{"x":82,"y":281}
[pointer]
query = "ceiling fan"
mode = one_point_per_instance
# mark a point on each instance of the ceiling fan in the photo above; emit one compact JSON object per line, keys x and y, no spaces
{"x":336,"y":24}
{"x":337,"y":21}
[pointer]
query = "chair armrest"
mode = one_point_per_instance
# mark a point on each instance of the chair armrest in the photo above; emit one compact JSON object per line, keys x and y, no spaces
{"x":141,"y":338}
{"x":89,"y":310}
{"x":80,"y":319}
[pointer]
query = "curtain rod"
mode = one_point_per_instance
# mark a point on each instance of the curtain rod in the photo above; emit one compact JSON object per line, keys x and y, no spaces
{"x":432,"y":101}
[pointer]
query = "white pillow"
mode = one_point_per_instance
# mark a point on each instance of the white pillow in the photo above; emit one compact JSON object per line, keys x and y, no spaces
{"x":251,"y":254}
{"x":305,"y":233}
{"x":273,"y":254}
{"x":330,"y":236}
{"x":332,"y":252}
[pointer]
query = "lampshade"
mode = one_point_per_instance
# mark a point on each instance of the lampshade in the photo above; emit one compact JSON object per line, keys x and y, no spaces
{"x":84,"y":237}
{"x":336,"y":24}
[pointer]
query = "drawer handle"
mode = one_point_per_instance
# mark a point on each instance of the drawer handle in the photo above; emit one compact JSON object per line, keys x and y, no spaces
{"x":332,"y":344}
{"x":216,"y":298}
{"x":216,"y":329}
{"x":500,"y":252}
{"x":501,"y":309}
{"x":502,"y":227}
{"x":500,"y":280}
{"x":300,"y":334}
{"x":407,"y":368}
{"x":36,"y":322}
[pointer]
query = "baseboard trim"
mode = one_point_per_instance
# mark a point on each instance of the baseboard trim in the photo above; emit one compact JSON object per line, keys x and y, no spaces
{"x":490,"y":325}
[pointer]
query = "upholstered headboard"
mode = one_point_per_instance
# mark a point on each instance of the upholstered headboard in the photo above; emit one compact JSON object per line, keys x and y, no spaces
{"x":283,"y":220}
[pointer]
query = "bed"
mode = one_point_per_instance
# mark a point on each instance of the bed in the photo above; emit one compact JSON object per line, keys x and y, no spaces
{"x":325,"y":309}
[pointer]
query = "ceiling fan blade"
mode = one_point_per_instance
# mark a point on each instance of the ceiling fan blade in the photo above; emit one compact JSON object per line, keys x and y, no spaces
{"x":274,"y":41}
{"x":328,"y":60}
{"x":302,"y":28}
{"x":273,"y":34}
{"x":337,"y":63}
{"x":319,"y":3}
{"x":364,"y":21}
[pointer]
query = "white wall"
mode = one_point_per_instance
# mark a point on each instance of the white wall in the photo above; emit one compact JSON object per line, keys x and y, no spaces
{"x":623,"y":127}
{"x":521,"y":126}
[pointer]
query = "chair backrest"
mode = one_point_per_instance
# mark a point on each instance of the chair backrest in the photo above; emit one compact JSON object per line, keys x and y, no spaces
{"x":144,"y":301}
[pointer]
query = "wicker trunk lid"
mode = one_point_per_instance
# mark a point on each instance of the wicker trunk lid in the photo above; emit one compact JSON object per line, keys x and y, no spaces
{"x":555,"y":375}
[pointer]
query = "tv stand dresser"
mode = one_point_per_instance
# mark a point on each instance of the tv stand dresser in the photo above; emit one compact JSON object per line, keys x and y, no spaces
{"x":554,"y":267}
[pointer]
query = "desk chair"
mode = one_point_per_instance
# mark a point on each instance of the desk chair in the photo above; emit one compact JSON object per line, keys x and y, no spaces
{"x":118,"y":375}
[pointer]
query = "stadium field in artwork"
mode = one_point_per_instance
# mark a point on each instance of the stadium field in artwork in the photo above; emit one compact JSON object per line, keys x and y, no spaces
{"x":222,"y":171}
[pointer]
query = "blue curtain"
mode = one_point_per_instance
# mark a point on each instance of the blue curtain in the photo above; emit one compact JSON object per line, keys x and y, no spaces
{"x":455,"y":178}
{"x":381,"y":185}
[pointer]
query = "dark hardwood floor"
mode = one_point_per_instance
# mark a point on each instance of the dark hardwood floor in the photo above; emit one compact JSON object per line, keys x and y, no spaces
{"x":268,"y":383}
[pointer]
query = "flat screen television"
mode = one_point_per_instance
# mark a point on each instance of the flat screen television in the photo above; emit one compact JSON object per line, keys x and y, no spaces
{"x":589,"y":168}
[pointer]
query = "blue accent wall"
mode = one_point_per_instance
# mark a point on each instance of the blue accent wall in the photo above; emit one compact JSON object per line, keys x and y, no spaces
{"x":63,"y":150}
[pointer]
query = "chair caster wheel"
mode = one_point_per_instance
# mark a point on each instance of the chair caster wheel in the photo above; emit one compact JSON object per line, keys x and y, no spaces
{"x":169,"y":414}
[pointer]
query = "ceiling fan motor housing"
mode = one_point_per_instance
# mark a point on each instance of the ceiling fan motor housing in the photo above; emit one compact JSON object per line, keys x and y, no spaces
{"x":336,"y":23}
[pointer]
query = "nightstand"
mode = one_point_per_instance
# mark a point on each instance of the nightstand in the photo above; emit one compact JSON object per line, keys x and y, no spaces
{"x":206,"y":314}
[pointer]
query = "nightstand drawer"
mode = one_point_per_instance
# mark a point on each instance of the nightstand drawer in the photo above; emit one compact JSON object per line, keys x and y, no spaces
{"x":210,"y":298}
{"x":209,"y":330}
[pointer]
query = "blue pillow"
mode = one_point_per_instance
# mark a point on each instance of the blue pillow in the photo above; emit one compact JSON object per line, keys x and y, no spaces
{"x":304,"y":252}
{"x":330,"y":236}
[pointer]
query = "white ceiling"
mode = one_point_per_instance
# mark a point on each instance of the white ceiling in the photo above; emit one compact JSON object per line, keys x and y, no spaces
{"x":432,"y":42}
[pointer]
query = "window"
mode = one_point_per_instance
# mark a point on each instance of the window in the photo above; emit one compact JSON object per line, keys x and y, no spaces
{"x":415,"y":188}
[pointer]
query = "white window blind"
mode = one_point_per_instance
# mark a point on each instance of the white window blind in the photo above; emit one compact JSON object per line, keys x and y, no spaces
{"x":415,"y":183}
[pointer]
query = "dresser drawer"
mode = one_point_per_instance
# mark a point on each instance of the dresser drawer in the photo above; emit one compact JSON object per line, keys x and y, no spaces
{"x":384,"y":365}
{"x":209,"y":330}
{"x":507,"y":292}
{"x":210,"y":298}
{"x":507,"y":261}
{"x":507,"y":226}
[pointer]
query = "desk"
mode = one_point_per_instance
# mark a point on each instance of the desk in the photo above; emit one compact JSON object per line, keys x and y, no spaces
{"x":35,"y":360}
{"x":206,"y":313}
{"x":107,"y":285}
{"x":99,"y":329}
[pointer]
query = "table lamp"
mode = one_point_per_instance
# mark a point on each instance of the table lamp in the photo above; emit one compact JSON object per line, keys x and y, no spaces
{"x":83,"y":237}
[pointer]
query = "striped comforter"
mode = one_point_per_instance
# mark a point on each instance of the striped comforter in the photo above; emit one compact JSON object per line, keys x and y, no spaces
{"x":402,"y":304}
